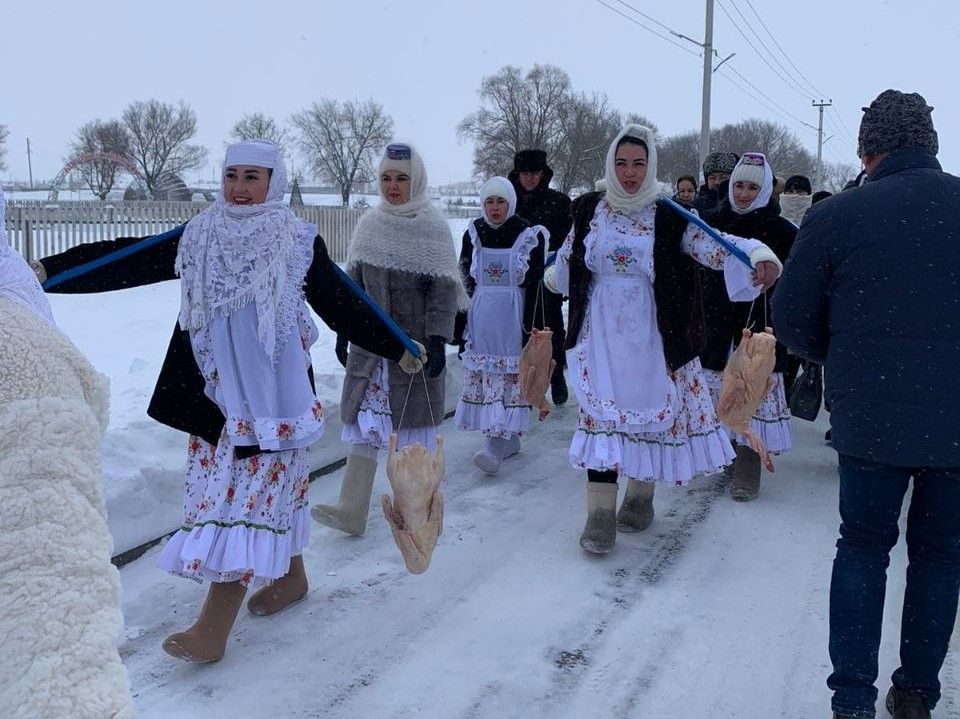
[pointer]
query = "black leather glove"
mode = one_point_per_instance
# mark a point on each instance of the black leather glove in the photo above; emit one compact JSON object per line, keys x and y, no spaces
{"x":341,"y":350}
{"x":436,"y":356}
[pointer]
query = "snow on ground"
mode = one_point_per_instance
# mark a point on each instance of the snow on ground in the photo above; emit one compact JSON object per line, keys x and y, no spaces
{"x":717,"y":611}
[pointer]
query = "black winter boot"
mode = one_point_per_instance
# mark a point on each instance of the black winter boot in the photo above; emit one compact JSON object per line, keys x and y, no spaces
{"x":746,"y":474}
{"x":558,"y":388}
{"x":906,"y":705}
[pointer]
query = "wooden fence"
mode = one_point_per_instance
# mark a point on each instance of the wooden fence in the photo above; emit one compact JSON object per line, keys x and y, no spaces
{"x":37,"y":229}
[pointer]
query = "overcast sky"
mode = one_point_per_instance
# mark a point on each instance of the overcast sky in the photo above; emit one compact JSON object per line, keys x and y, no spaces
{"x":65,"y":63}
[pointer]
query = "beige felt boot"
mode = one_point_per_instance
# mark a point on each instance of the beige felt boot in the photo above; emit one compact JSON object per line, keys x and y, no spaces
{"x":281,"y":593}
{"x":206,"y":640}
{"x":600,"y":532}
{"x":636,"y":510}
{"x":350,"y":513}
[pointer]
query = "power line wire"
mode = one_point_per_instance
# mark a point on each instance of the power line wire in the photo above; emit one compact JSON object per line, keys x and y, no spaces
{"x":761,"y":98}
{"x":781,"y":109}
{"x":647,"y":28}
{"x":790,"y":83}
{"x":789,"y":59}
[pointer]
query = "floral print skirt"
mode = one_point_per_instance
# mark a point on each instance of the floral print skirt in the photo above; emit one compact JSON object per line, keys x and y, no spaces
{"x":771,"y":421}
{"x":375,"y":418}
{"x":694,"y":444}
{"x":243,"y":518}
{"x":492,"y":403}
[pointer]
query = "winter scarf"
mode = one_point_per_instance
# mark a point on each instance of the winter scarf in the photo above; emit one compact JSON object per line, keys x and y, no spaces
{"x":649,"y":190}
{"x":17,"y":281}
{"x":231,"y":255}
{"x":403,"y":157}
{"x":752,"y":167}
{"x":794,"y":207}
{"x":412,"y":237}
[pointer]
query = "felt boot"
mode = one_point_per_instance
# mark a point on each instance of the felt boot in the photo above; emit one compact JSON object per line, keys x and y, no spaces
{"x":206,"y":640}
{"x":746,"y":474}
{"x":636,"y":510}
{"x":283,"y":592}
{"x":600,"y":531}
{"x":350,"y":513}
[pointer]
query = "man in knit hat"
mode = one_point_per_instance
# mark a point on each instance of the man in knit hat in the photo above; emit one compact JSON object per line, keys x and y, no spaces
{"x":871,"y":291}
{"x":539,"y":205}
{"x":717,"y":167}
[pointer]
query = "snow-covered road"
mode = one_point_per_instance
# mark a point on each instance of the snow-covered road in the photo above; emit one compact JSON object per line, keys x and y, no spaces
{"x":718,"y":610}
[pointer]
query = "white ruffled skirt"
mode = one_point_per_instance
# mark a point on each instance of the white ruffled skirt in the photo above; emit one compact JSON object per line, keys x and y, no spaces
{"x":492,"y":403}
{"x":375,"y":418}
{"x":695,"y":443}
{"x":243,"y":518}
{"x":771,"y":421}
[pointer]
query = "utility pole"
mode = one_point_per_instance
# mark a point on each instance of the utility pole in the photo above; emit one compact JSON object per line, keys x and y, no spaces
{"x":820,"y":105}
{"x":707,"y":77}
{"x":29,"y":163}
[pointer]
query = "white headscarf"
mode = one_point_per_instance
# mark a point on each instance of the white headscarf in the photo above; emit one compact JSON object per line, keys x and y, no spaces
{"x":752,"y":167}
{"x":403,"y":157}
{"x":499,"y":187}
{"x":649,"y":189}
{"x":17,"y":281}
{"x":231,"y":255}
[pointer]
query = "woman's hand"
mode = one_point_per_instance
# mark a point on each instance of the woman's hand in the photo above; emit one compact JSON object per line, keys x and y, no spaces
{"x":39,"y":270}
{"x":765,"y":274}
{"x":409,"y":363}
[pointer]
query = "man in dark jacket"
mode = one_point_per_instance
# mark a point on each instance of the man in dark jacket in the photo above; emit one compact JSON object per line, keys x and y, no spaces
{"x":539,"y":205}
{"x":717,"y":167}
{"x":872,"y":291}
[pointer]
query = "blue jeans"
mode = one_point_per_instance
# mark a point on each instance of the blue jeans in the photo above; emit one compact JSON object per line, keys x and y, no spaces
{"x":871,"y":496}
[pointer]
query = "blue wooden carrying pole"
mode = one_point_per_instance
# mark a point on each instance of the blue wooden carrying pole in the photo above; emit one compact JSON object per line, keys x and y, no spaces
{"x":148,"y":242}
{"x":714,"y":235}
{"x":113,"y":257}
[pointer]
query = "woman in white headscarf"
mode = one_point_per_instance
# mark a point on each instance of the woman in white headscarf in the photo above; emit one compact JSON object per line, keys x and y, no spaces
{"x":501,"y":261}
{"x":750,"y":210}
{"x":18,"y":281}
{"x":237,"y":378}
{"x":636,"y":327}
{"x":402,"y":255}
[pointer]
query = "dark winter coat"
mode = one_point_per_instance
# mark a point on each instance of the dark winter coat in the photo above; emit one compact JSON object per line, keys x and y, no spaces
{"x":726,"y":319}
{"x":543,"y":206}
{"x":178,"y":399}
{"x":676,"y":287}
{"x":424,"y":306}
{"x":709,"y":200}
{"x":872,"y":291}
{"x":502,"y":238}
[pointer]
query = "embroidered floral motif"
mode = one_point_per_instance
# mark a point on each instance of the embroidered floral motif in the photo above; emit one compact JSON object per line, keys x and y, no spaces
{"x":495,"y":271}
{"x":622,"y":257}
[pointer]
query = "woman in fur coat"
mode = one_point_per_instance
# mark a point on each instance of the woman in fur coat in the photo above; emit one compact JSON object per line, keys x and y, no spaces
{"x":750,"y":209}
{"x":636,"y":328}
{"x":501,"y":261}
{"x":61,"y":595}
{"x":402,"y":255}
{"x":237,"y":378}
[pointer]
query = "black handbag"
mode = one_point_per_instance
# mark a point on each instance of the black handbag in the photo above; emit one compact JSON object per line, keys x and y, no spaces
{"x":807,"y":392}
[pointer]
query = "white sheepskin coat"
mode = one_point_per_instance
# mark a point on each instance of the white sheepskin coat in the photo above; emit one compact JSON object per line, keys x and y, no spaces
{"x":59,"y":595}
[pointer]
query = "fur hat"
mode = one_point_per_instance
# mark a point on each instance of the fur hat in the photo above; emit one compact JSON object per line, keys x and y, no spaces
{"x":530,"y":161}
{"x":896,"y":119}
{"x":719,"y":162}
{"x":798,"y":183}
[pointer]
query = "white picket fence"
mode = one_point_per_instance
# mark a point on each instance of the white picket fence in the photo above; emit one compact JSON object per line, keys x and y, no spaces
{"x":37,"y":229}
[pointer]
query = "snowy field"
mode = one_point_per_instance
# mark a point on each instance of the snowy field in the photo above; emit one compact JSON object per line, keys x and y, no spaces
{"x":719,"y":610}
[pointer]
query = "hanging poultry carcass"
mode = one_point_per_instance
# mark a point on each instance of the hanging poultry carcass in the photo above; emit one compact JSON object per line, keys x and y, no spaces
{"x":536,"y":369}
{"x":415,"y":513}
{"x":746,"y":381}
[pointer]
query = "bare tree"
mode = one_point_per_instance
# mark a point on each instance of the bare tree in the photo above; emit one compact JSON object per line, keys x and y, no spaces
{"x":3,"y":146}
{"x":104,"y":145}
{"x":836,"y":175}
{"x":160,"y":135}
{"x":340,"y":139}
{"x":517,"y":112}
{"x":256,"y":125}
